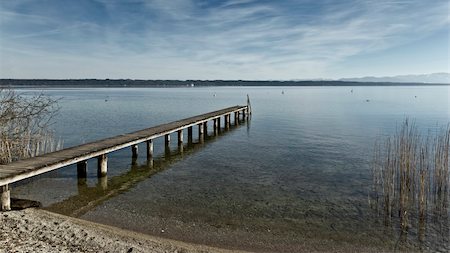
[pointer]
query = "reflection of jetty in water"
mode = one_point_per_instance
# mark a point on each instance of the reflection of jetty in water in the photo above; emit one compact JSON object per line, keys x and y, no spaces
{"x":106,"y":188}
{"x":411,"y":189}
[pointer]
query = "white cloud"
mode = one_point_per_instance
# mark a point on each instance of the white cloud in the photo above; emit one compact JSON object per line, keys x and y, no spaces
{"x":240,"y":39}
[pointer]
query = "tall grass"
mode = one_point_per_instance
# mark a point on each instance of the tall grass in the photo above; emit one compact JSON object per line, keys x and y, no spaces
{"x":411,"y":178}
{"x":25,"y":126}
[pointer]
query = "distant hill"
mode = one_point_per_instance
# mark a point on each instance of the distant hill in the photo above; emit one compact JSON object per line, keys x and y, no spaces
{"x":23,"y":83}
{"x":426,"y":78}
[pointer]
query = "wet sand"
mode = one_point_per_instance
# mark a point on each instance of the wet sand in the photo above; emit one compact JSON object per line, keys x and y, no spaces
{"x":37,"y":230}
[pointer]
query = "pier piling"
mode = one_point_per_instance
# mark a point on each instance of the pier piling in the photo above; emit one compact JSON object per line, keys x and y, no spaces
{"x":149,"y":149}
{"x":102,"y":165}
{"x":134,"y":151}
{"x":180,"y":136}
{"x":205,"y":128}
{"x":215,"y":126}
{"x":5,"y":198}
{"x":82,"y":169}
{"x":190,"y":134}
{"x":167,"y":139}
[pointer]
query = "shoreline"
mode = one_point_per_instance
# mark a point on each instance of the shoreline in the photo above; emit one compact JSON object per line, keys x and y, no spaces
{"x":38,"y":230}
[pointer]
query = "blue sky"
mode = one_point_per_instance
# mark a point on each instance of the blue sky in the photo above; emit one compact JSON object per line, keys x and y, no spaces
{"x":230,"y":39}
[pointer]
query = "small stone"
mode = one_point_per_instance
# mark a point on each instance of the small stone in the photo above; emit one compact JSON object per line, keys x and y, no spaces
{"x":162,"y":230}
{"x":130,"y":250}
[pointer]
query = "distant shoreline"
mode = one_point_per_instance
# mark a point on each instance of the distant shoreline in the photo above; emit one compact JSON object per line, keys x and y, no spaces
{"x":128,"y":83}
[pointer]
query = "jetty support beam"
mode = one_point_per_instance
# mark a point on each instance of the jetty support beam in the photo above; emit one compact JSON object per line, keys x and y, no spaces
{"x":82,"y":169}
{"x":190,"y":134}
{"x":180,"y":136}
{"x":200,"y":129}
{"x":205,"y":127}
{"x":167,"y":139}
{"x":102,"y":165}
{"x":5,"y":204}
{"x":226,"y":120}
{"x":134,"y":151}
{"x":215,"y":125}
{"x":149,"y":149}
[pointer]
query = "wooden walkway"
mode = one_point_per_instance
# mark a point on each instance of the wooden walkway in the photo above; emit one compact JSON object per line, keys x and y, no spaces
{"x":79,"y":155}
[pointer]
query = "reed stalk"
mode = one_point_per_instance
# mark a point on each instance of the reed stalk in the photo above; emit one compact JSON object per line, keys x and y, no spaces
{"x":411,"y":176}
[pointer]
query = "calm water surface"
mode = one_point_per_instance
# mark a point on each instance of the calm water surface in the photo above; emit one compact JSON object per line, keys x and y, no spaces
{"x":298,"y":170}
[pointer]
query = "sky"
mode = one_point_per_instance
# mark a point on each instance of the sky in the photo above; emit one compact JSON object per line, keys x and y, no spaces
{"x":229,"y":39}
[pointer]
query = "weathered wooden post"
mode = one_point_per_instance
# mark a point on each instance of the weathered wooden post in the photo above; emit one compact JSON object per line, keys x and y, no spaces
{"x":218,"y":124}
{"x":236,"y":118}
{"x":205,"y":127}
{"x":5,"y":198}
{"x":134,"y":151}
{"x":82,"y":169}
{"x":180,"y":136}
{"x":215,"y":126}
{"x":249,"y":106}
{"x":167,"y":139}
{"x":190,"y":134}
{"x":102,"y":165}
{"x":200,"y":129}
{"x":226,"y":120}
{"x":200,"y":133}
{"x":149,"y":149}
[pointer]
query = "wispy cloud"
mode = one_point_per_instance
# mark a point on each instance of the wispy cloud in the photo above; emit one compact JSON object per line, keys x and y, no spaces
{"x":237,"y":39}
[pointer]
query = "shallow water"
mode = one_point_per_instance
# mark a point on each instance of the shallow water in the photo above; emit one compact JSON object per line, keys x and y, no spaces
{"x":298,"y":169}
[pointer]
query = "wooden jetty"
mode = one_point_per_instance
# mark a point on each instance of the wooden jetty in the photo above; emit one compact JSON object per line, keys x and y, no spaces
{"x":90,"y":196}
{"x":23,"y":169}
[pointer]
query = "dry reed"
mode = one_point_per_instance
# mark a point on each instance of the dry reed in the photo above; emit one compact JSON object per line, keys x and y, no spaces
{"x":411,"y":178}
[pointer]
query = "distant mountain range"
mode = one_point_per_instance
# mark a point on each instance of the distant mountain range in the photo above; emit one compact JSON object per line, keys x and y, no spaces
{"x":426,"y":78}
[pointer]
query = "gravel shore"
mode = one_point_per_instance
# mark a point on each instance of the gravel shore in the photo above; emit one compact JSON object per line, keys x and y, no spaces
{"x":36,"y":230}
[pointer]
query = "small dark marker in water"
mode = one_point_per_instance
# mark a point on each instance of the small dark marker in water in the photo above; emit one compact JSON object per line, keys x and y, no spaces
{"x":282,"y":92}
{"x":351,"y":91}
{"x":367,"y":100}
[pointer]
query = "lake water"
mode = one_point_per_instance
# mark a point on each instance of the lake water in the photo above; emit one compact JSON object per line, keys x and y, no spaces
{"x":297,"y":171}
